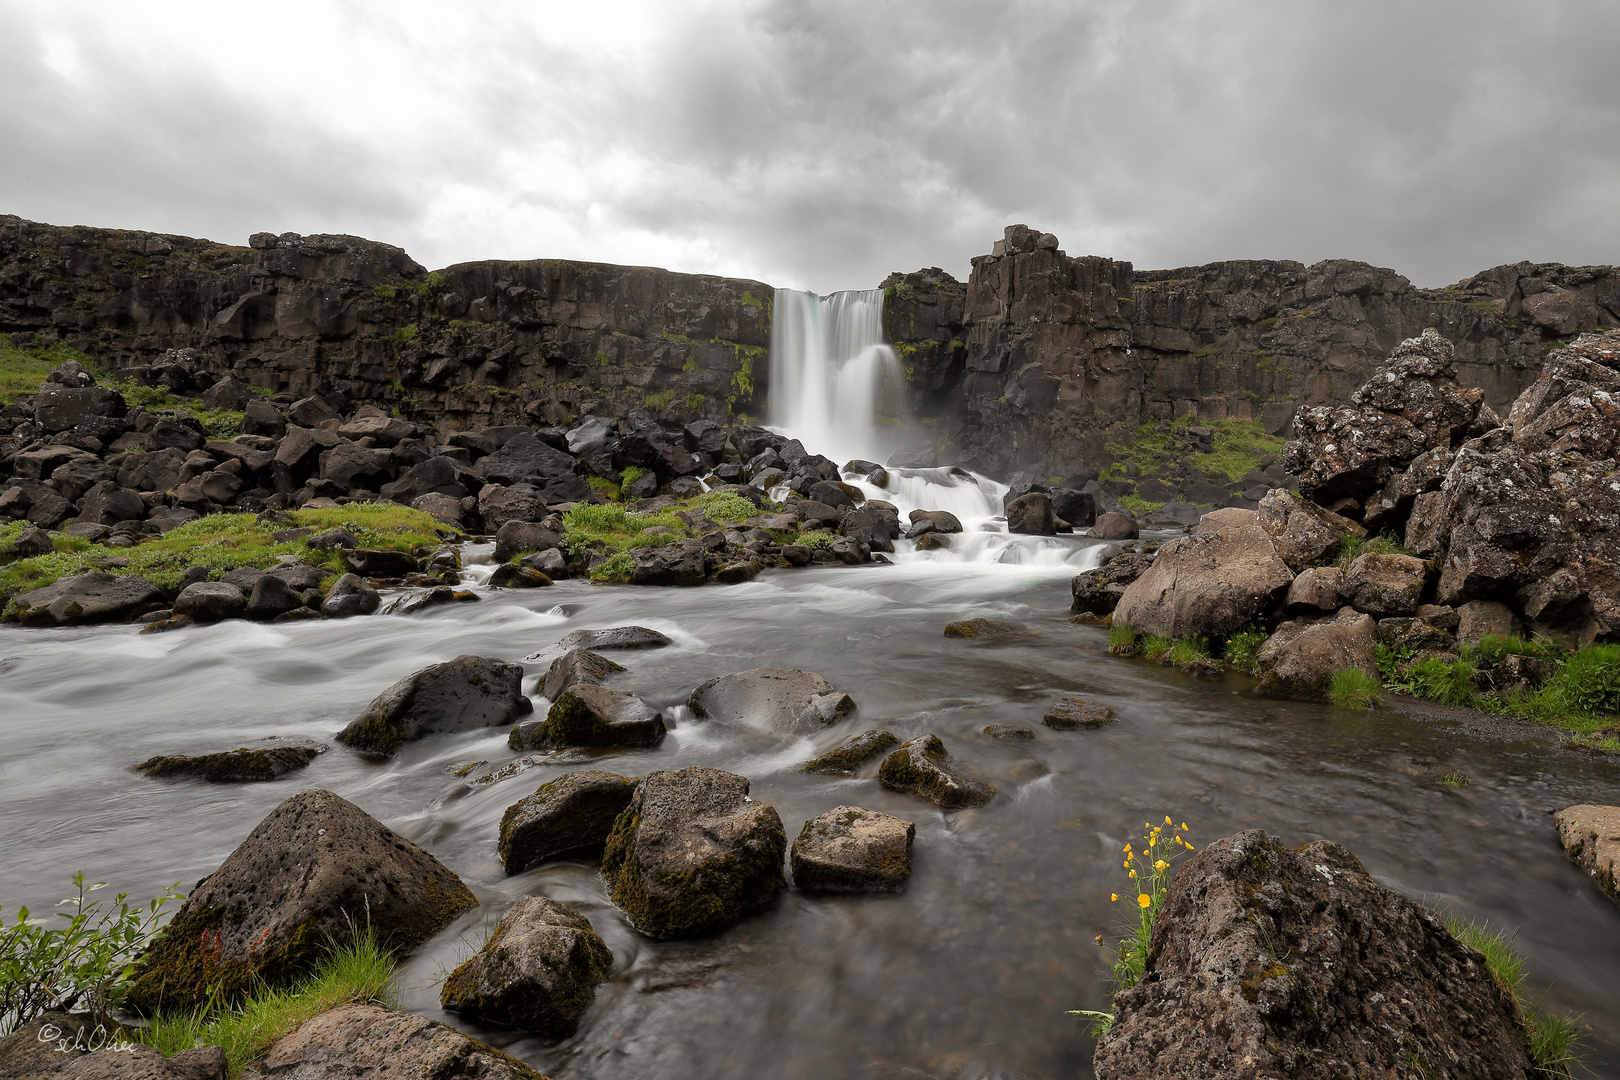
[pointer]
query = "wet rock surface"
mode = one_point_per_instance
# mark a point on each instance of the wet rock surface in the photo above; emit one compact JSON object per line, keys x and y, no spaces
{"x":234,"y":766}
{"x":1072,"y":713}
{"x":848,"y":757}
{"x":923,"y":767}
{"x":577,"y":667}
{"x":369,"y":1042}
{"x":619,"y":637}
{"x":588,"y":715}
{"x":982,"y":629}
{"x":465,"y":693}
{"x":88,"y":598}
{"x":1098,"y":591}
{"x":850,"y":849}
{"x":1591,"y":836}
{"x":571,"y":814}
{"x":771,"y":699}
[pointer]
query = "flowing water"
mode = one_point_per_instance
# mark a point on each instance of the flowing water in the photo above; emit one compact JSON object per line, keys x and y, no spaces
{"x":968,"y":973}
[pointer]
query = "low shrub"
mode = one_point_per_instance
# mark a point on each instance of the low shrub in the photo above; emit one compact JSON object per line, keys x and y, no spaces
{"x":1353,"y":688}
{"x":724,"y":506}
{"x":1243,"y":647}
{"x":615,"y":567}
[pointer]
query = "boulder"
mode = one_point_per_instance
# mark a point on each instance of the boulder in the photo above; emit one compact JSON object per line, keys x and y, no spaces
{"x":446,"y":509}
{"x":1098,"y":591}
{"x":378,"y":562}
{"x":381,"y":430}
{"x":460,"y":695}
{"x":618,"y":637}
{"x":1216,"y":520}
{"x":31,"y":542}
{"x":930,"y":542}
{"x":317,"y":869}
{"x":107,"y":504}
{"x":1591,"y":836}
{"x":1072,"y":713}
{"x":577,"y":667}
{"x":1114,"y":526}
{"x":692,"y":853}
{"x":1383,"y":585}
{"x":272,"y":596}
{"x":250,"y":763}
{"x":299,"y":451}
{"x":211,"y":601}
{"x":539,"y":972}
{"x":514,"y":538}
{"x":1303,"y":533}
{"x":927,"y":521}
{"x":76,"y":476}
{"x":438,"y":475}
{"x":228,"y":393}
{"x":1009,"y":732}
{"x":1268,"y":960}
{"x":155,"y":471}
{"x":851,"y":850}
{"x":353,"y":467}
{"x":1319,"y":588}
{"x":587,"y":715}
{"x":1480,"y":618}
{"x":514,"y":576}
{"x":333,"y":540}
{"x":572,"y":814}
{"x":982,"y":628}
{"x":259,"y":417}
{"x":1413,"y":634}
{"x":88,"y":598}
{"x":58,"y":407}
{"x":525,"y":458}
{"x":550,"y":562}
{"x":848,"y":757}
{"x":1298,"y":661}
{"x":1078,"y":508}
{"x":771,"y":699}
{"x":1032,"y":515}
{"x":369,"y":1042}
{"x":671,"y":564}
{"x":350,"y":595}
{"x":923,"y":768}
{"x":1209,"y":584}
{"x":57,"y":1046}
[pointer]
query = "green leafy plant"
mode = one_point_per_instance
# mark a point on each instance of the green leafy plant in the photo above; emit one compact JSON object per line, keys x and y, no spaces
{"x":1450,"y":682}
{"x":628,"y":477}
{"x":1353,"y":688}
{"x":1122,"y":640}
{"x":615,"y":567}
{"x":815,"y":539}
{"x":1589,"y":681}
{"x":1243,"y":647}
{"x":84,"y":964}
{"x":724,"y":506}
{"x":1155,"y":646}
{"x":1191,"y":651}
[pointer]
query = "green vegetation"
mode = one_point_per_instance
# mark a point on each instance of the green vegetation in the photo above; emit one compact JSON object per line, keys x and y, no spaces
{"x":1237,"y":448}
{"x":1122,"y":639}
{"x":696,"y":402}
{"x":1242,"y":647}
{"x":23,"y":371}
{"x":615,"y":568}
{"x":1155,"y":647}
{"x":742,"y":380}
{"x":84,"y":964}
{"x":1352,"y":547}
{"x":1590,"y":681}
{"x":220,"y":542}
{"x":1190,"y":652}
{"x":358,"y":971}
{"x":384,"y":292}
{"x":612,"y":529}
{"x":1553,"y":1040}
{"x":752,"y":301}
{"x":604,"y":487}
{"x":1137,"y":505}
{"x":1353,"y":688}
{"x":1450,"y":682}
{"x":405,"y":334}
{"x":815,"y":540}
{"x":628,"y":477}
{"x":660,"y":399}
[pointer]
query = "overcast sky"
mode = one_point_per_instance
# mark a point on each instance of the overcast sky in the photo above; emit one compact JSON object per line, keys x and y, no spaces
{"x":822,"y":144}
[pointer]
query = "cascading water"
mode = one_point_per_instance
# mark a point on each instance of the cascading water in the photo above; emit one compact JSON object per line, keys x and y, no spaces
{"x":836,"y":386}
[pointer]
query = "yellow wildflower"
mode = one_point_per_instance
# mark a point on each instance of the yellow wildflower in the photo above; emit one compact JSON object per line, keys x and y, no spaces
{"x":1167,"y":819}
{"x":1113,"y":897}
{"x":1161,"y":866}
{"x":1144,"y":900}
{"x":1133,"y":875}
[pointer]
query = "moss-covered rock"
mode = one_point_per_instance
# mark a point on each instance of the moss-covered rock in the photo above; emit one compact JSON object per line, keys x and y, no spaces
{"x":1009,"y":732}
{"x":539,"y":972}
{"x":595,"y":716}
{"x":692,"y":853}
{"x":465,"y":693}
{"x":1300,"y":659}
{"x":573,"y":813}
{"x":850,"y":849}
{"x":982,"y":628}
{"x":1069,"y":713}
{"x":923,"y":768}
{"x":234,"y":766}
{"x":577,"y":667}
{"x":316,"y":869}
{"x":847,"y":757}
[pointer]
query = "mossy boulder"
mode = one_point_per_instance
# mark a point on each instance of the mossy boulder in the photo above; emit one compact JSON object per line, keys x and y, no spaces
{"x":515,"y":576}
{"x":849,"y":849}
{"x":234,"y":766}
{"x":88,"y":598}
{"x":316,"y":869}
{"x":923,"y":768}
{"x":459,"y":695}
{"x":692,"y":854}
{"x":577,"y":667}
{"x":1070,"y":713}
{"x":982,"y":628}
{"x":573,"y":813}
{"x":369,"y":1042}
{"x":539,"y":972}
{"x":848,"y":757}
{"x":596,"y":716}
{"x":1300,"y":659}
{"x":771,"y":699}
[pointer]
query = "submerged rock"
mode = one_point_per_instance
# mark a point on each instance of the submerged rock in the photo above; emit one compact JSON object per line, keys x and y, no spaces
{"x":369,"y":1042}
{"x":849,"y":756}
{"x":692,"y":853}
{"x":982,"y":628}
{"x":1009,"y":732}
{"x":539,"y":972}
{"x":235,"y":766}
{"x":587,"y":715}
{"x":849,"y":849}
{"x":573,"y":813}
{"x":771,"y":699}
{"x":1591,"y":836}
{"x":619,"y":637}
{"x":1270,"y":961}
{"x":1070,"y":713}
{"x":465,"y":693}
{"x":923,"y":768}
{"x":315,"y":869}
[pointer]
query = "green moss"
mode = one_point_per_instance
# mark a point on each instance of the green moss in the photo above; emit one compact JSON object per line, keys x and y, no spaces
{"x":405,"y":334}
{"x":1137,"y":505}
{"x":1237,"y":448}
{"x":848,"y":757}
{"x":749,"y":300}
{"x":696,"y":402}
{"x":659,"y":399}
{"x":603,"y":487}
{"x":384,"y":292}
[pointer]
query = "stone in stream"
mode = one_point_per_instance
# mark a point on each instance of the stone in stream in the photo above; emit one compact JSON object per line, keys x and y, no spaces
{"x":539,"y":972}
{"x":1112,"y":526}
{"x":619,"y":637}
{"x":1300,"y":659}
{"x":586,"y":715}
{"x":572,"y":814}
{"x":350,"y":595}
{"x":1591,"y":836}
{"x":378,"y":562}
{"x":848,"y":757}
{"x":692,"y":853}
{"x":932,"y":541}
{"x":849,"y":849}
{"x":923,"y":768}
{"x":1011,"y":732}
{"x":577,"y":667}
{"x":1071,"y":713}
{"x":88,"y":598}
{"x":459,"y":695}
{"x":1209,"y":583}
{"x":982,"y":628}
{"x":56,"y":1044}
{"x":517,"y":576}
{"x":1270,"y":961}
{"x":234,"y":766}
{"x":316,"y":869}
{"x":1098,"y":591}
{"x":369,"y":1042}
{"x":771,"y":699}
{"x":927,"y":521}
{"x":1031,"y":514}
{"x":439,"y":597}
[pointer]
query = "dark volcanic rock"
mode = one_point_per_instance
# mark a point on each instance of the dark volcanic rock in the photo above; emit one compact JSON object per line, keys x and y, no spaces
{"x":922,"y":768}
{"x":771,"y":699}
{"x":1031,"y":514}
{"x":514,"y":576}
{"x":586,"y":715}
{"x":848,"y":757}
{"x":368,"y":1042}
{"x":55,"y":1046}
{"x":465,"y":693}
{"x":849,"y":849}
{"x":571,"y":814}
{"x":235,"y":766}
{"x":672,"y":564}
{"x":350,"y":595}
{"x":88,"y":598}
{"x":577,"y":667}
{"x":1069,"y":713}
{"x":618,"y":637}
{"x":1269,"y":962}
{"x":316,"y":869}
{"x":539,"y":972}
{"x":1098,"y":591}
{"x":692,"y":853}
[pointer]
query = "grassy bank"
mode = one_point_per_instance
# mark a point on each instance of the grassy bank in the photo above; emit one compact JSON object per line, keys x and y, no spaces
{"x":1553,"y":1040}
{"x":614,"y":531}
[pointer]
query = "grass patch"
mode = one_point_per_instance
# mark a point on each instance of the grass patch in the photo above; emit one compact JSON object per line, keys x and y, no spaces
{"x":1553,"y":1040}
{"x":23,"y":371}
{"x":1353,"y":688}
{"x":1450,"y":682}
{"x":612,"y":528}
{"x":1138,"y":506}
{"x":607,"y":489}
{"x":1352,"y":547}
{"x":815,"y":540}
{"x":628,"y":477}
{"x":1589,"y":681}
{"x":359,"y":971}
{"x":615,"y":568}
{"x":1122,"y":640}
{"x":1155,"y":646}
{"x":1243,"y":647}
{"x":1190,"y":651}
{"x":1237,"y":448}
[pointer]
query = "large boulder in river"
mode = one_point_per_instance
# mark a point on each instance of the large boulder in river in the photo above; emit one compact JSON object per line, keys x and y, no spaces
{"x":1098,"y":591}
{"x":849,"y":756}
{"x":1210,"y":584}
{"x":617,"y":637}
{"x":1114,"y":526}
{"x":1272,"y":961}
{"x":771,"y":699}
{"x":571,"y":814}
{"x":317,"y":869}
{"x":1031,"y":514}
{"x":1300,"y":659}
{"x":586,"y":715}
{"x":539,"y":972}
{"x":465,"y":693}
{"x":671,"y":564}
{"x":88,"y":598}
{"x":692,"y":853}
{"x":577,"y":667}
{"x":350,"y":595}
{"x":514,"y":538}
{"x":849,"y":849}
{"x":923,"y":768}
{"x":369,"y":1042}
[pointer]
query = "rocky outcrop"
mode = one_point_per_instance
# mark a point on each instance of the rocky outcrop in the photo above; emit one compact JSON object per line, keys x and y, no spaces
{"x":924,"y":768}
{"x":538,"y":972}
{"x":849,"y":849}
{"x":572,"y":814}
{"x":465,"y":693}
{"x":369,"y":1042}
{"x":692,"y":853}
{"x":1209,"y":584}
{"x":314,"y":870}
{"x":1270,"y":961}
{"x":771,"y":699}
{"x":1591,"y":836}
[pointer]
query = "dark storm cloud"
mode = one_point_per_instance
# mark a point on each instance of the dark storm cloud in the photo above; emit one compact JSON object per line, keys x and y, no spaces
{"x":826,"y":144}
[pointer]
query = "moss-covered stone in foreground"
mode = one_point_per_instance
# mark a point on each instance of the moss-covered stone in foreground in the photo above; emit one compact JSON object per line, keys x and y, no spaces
{"x":848,"y":757}
{"x":923,"y":768}
{"x":539,"y":972}
{"x":573,"y":813}
{"x":250,"y":763}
